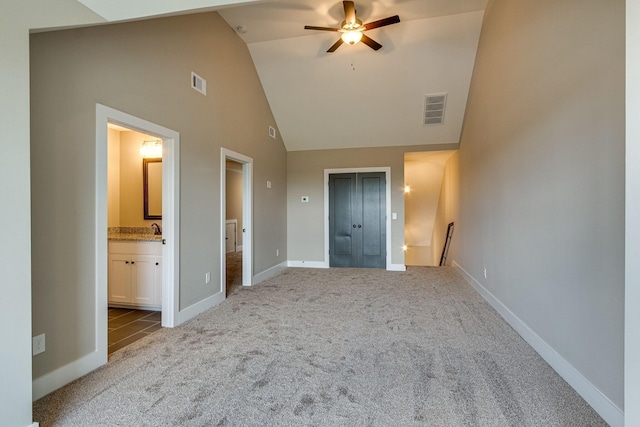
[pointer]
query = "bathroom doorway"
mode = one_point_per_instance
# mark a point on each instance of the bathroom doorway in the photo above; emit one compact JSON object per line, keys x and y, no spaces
{"x":154,"y":264}
{"x":134,"y":232}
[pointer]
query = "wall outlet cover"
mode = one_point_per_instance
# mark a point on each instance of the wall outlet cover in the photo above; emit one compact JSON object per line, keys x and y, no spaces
{"x":38,"y":344}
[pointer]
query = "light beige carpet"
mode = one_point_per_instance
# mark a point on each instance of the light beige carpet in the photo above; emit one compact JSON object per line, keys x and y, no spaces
{"x":336,"y":347}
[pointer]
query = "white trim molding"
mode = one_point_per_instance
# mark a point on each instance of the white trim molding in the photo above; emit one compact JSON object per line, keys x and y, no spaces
{"x":613,"y":415}
{"x":307,"y":264}
{"x":397,"y":267}
{"x":170,"y":211}
{"x":197,"y":308}
{"x":65,"y":374}
{"x":269,"y":273}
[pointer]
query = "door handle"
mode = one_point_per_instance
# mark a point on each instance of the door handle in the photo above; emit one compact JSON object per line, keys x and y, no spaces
{"x":359,"y":226}
{"x":354,"y":226}
{"x":164,"y":241}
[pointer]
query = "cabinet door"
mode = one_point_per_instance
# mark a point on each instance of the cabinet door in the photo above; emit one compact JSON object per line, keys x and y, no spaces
{"x":143,"y":279}
{"x":119,"y":278}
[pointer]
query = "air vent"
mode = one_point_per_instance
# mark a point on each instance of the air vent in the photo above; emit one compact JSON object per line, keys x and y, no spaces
{"x":434,"y":109}
{"x":272,"y":132}
{"x":198,"y":83}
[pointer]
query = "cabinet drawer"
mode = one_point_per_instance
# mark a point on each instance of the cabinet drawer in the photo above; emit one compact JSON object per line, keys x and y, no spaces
{"x":138,"y":248}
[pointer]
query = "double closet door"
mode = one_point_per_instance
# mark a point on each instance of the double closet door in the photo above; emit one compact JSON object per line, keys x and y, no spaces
{"x":357,"y":220}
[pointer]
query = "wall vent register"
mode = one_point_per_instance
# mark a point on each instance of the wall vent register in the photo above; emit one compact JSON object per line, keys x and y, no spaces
{"x":198,"y":83}
{"x":434,"y":108}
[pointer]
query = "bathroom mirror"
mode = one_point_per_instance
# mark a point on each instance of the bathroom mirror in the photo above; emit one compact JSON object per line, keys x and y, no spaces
{"x":152,"y":188}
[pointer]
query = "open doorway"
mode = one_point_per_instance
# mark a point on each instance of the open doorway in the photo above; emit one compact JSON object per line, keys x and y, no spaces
{"x":137,"y":274}
{"x":236,"y":217}
{"x":425,"y":223}
{"x":234,"y":225}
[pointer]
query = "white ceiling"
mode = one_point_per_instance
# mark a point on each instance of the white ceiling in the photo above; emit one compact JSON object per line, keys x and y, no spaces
{"x":355,"y":97}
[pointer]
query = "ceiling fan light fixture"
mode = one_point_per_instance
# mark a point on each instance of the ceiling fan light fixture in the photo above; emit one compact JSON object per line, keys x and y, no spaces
{"x":351,"y":37}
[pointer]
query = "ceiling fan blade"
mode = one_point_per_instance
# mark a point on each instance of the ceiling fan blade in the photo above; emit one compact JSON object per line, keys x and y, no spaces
{"x":370,"y":42}
{"x":335,"y":46}
{"x":311,"y":27}
{"x":349,"y":12}
{"x":382,"y":22}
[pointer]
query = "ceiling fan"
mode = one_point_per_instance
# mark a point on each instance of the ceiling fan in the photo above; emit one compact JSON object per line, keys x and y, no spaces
{"x":353,"y":29}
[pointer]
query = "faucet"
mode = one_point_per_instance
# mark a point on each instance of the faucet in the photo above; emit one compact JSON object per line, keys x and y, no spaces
{"x":157,"y":231}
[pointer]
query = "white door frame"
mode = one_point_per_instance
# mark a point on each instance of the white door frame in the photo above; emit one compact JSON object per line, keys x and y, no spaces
{"x":247,"y":216}
{"x":387,"y":173}
{"x":170,"y":215}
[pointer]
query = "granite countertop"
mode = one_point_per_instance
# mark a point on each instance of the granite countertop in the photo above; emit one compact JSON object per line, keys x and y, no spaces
{"x":133,"y":234}
{"x":135,"y":237}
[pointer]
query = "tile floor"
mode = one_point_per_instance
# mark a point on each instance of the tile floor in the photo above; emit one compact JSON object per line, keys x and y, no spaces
{"x":128,"y":325}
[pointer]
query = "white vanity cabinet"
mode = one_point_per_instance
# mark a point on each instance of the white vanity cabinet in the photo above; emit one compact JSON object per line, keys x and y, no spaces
{"x":135,"y":274}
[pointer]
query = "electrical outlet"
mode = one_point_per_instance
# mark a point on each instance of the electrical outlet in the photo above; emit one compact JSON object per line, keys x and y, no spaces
{"x":268,"y":184}
{"x":207,"y":277}
{"x":37,"y":344}
{"x":485,"y":272}
{"x":277,"y":252}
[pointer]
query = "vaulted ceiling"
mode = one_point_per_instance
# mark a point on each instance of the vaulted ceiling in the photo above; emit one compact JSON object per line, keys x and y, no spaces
{"x":354,"y":97}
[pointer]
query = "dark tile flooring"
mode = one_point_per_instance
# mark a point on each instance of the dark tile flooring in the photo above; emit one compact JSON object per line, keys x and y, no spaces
{"x":128,"y":325}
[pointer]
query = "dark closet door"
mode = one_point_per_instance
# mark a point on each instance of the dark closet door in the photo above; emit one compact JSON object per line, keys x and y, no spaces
{"x":357,"y":221}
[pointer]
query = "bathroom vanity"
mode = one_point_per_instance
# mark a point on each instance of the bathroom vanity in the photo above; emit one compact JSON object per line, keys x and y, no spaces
{"x":135,"y":271}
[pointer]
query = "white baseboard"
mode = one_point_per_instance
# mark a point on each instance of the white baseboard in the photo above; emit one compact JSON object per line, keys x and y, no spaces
{"x":197,"y":308}
{"x":307,"y":264}
{"x":35,"y":425}
{"x":62,"y":376}
{"x":321,"y":264}
{"x":608,"y":410}
{"x":269,"y":273}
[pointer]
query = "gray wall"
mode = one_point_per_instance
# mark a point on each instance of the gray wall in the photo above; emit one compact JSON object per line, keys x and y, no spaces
{"x":16,"y":19}
{"x":234,"y":200}
{"x":144,"y":69}
{"x":305,"y":175}
{"x":542,"y":176}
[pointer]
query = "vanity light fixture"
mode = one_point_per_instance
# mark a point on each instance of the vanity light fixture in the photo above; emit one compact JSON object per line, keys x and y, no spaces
{"x":151,"y":149}
{"x":407,"y":189}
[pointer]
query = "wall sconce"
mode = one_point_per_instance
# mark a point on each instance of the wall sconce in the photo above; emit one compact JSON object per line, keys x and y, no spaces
{"x":404,"y":248}
{"x":151,"y":149}
{"x":407,"y":189}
